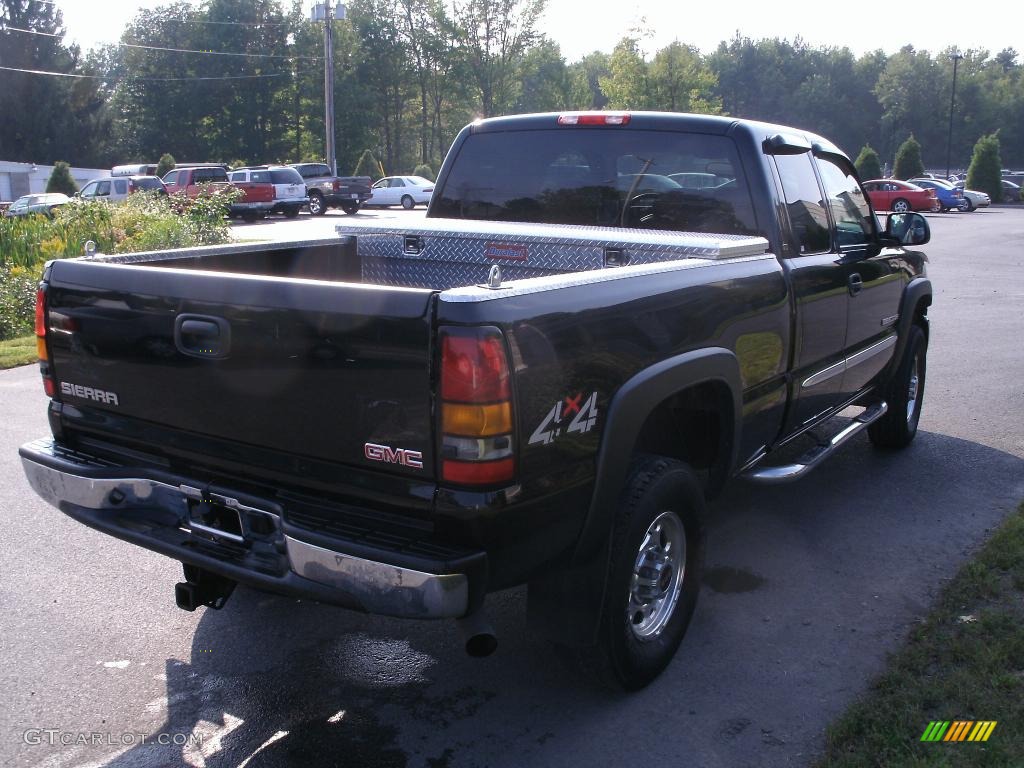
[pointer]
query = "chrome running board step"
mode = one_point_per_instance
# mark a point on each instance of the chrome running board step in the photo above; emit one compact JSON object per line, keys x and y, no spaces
{"x":787,"y":473}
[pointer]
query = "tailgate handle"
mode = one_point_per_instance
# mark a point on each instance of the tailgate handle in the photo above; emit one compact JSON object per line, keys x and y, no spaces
{"x":202,"y":336}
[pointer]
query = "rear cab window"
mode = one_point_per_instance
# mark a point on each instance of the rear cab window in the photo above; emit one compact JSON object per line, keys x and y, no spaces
{"x":647,"y":179}
{"x":808,"y":218}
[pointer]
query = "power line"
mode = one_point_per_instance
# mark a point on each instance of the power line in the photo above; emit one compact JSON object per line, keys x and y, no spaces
{"x":217,"y":53}
{"x":146,"y":79}
{"x":180,"y":50}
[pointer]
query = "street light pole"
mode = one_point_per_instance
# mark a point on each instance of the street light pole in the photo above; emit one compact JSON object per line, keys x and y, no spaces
{"x":952,"y":105}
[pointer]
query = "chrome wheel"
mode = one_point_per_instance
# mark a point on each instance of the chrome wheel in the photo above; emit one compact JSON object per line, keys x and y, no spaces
{"x":657,"y":576}
{"x":912,"y":389}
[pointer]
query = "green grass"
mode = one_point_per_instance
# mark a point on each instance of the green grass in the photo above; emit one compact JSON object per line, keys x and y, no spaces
{"x":965,"y":662}
{"x":20,"y":351}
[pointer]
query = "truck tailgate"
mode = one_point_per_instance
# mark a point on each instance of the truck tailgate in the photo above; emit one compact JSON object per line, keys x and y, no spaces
{"x":308,"y":367}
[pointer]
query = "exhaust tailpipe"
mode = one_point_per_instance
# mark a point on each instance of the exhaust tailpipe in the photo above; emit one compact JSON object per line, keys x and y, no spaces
{"x":478,"y":634}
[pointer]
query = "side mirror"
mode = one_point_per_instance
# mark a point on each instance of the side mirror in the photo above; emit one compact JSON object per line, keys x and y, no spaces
{"x":908,"y":228}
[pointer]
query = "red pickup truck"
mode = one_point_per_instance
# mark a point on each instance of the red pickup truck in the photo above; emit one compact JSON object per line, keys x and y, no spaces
{"x":257,"y":199}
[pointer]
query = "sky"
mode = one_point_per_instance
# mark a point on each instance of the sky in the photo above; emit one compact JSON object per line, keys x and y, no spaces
{"x":582,"y":26}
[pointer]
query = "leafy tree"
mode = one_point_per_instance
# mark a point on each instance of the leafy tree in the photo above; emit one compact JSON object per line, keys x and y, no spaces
{"x":908,"y":160}
{"x":626,"y":85}
{"x":681,"y":81}
{"x":423,"y":170}
{"x":166,"y":164}
{"x":867,"y":164}
{"x":44,"y":117}
{"x":368,"y":165}
{"x":585,"y":81}
{"x":985,"y":171}
{"x":60,"y":179}
{"x":497,"y":34}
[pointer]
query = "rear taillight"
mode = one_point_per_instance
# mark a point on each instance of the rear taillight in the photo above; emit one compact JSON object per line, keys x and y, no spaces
{"x":44,"y":357}
{"x":477,"y":445}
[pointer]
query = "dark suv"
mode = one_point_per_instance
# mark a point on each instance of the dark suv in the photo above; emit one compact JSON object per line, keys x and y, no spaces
{"x":329,"y":191}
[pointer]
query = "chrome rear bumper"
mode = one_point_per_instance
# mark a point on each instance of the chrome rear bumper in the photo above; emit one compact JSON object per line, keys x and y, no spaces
{"x":154,"y":513}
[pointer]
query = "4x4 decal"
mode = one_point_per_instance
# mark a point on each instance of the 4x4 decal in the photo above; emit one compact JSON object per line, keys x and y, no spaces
{"x":584,"y":418}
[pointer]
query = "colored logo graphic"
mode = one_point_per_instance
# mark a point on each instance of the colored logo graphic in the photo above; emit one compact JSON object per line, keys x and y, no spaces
{"x":959,"y":730}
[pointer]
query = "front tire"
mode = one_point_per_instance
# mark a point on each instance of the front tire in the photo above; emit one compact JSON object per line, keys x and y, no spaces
{"x":904,"y":395}
{"x":654,"y":579}
{"x":408,"y":203}
{"x":316,"y":204}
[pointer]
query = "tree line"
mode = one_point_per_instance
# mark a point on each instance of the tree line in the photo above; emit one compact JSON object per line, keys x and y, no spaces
{"x":410,"y":73}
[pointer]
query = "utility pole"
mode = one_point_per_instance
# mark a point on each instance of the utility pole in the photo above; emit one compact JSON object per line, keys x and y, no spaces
{"x":325,"y":13}
{"x":952,"y":104}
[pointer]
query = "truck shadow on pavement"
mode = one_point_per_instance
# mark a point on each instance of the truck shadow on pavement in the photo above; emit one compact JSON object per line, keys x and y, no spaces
{"x":810,"y":586}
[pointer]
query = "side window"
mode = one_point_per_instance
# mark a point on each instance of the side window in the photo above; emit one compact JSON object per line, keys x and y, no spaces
{"x":380,"y":184}
{"x":171,"y":177}
{"x":103,"y":189}
{"x":237,"y":176}
{"x":850,"y":209}
{"x":806,"y":209}
{"x":89,"y":190}
{"x":121,"y":187}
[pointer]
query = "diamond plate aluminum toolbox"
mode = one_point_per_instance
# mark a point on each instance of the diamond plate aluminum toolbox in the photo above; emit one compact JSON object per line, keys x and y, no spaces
{"x":448,"y":253}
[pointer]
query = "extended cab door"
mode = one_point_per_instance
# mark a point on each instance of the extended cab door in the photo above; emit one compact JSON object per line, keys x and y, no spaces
{"x":819,"y":279}
{"x":874,"y":279}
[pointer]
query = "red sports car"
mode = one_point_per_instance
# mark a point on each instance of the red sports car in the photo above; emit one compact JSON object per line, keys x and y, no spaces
{"x":900,"y":196}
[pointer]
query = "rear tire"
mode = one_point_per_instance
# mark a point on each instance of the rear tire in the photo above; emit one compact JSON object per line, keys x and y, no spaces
{"x":408,"y":203}
{"x":316,"y":204}
{"x":904,"y":395}
{"x":900,"y":206}
{"x":654,"y":578}
{"x":350,"y":208}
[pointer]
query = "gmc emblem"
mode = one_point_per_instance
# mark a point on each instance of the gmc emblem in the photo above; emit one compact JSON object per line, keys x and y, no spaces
{"x":390,"y":455}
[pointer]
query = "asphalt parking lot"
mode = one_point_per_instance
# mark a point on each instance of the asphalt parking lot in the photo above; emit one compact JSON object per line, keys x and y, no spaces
{"x":808,"y":587}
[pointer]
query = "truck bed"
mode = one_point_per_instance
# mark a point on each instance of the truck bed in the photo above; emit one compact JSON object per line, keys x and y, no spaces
{"x":441,"y":254}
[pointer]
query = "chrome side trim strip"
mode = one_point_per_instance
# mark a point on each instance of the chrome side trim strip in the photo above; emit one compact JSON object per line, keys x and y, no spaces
{"x":381,"y":588}
{"x":837,"y":368}
{"x":824,"y":375}
{"x":875,"y":349}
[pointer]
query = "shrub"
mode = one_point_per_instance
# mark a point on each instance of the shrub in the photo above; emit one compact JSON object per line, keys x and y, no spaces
{"x":144,"y":222}
{"x":423,"y":170}
{"x":368,"y":165}
{"x":17,"y":300}
{"x":60,"y":180}
{"x":908,"y":160}
{"x":867,"y":164}
{"x":984,"y":173}
{"x":167,"y":163}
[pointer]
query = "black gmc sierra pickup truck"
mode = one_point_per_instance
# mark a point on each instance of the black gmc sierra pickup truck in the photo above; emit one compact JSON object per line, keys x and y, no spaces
{"x":604,"y":318}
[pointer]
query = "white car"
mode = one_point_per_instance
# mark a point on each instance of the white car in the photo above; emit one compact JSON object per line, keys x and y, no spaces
{"x":974,"y":198}
{"x":406,"y":191}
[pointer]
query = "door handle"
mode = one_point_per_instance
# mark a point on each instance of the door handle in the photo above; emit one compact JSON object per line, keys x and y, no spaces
{"x":855,"y":284}
{"x":202,"y":336}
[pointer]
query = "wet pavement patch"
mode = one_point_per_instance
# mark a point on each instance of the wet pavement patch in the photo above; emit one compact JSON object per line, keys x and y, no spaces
{"x":729,"y":580}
